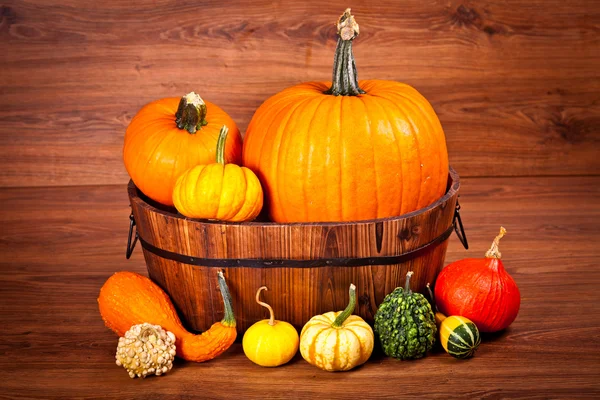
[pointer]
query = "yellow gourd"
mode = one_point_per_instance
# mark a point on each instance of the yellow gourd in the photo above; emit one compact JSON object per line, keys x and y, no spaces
{"x":270,"y":343}
{"x":337,"y":341}
{"x":221,"y":191}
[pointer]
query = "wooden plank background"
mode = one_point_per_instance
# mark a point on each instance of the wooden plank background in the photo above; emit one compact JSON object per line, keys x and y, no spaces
{"x":516,"y":83}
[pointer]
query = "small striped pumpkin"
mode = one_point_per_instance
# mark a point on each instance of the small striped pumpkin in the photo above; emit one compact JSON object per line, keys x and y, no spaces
{"x":459,"y":336}
{"x":337,"y":341}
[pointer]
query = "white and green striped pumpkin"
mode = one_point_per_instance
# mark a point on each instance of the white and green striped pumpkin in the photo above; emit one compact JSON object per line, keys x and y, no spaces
{"x":459,"y":336}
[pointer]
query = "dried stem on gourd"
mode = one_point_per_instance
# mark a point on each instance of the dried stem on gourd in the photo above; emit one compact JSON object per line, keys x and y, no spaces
{"x":268,"y":307}
{"x":407,"y":285}
{"x":146,"y":332}
{"x":191,"y":113}
{"x":221,"y":144}
{"x":432,"y":297}
{"x":494,"y":251}
{"x":229,"y":318}
{"x":339,"y":321}
{"x":345,"y":78}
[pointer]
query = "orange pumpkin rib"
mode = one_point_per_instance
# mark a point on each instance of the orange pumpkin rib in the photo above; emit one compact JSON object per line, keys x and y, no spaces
{"x":148,"y":166}
{"x":297,"y":166}
{"x":392,"y":186}
{"x":243,"y":209}
{"x":222,"y":203}
{"x":436,"y":140}
{"x":263,"y":113}
{"x":329,"y":199}
{"x":362,"y":145}
{"x":298,"y":160}
{"x":415,"y":133}
{"x":388,"y":158}
{"x":253,"y":160}
{"x":281,"y":152}
{"x":424,"y":142}
{"x":272,"y":145}
{"x":210,"y":183}
{"x":233,"y":194}
{"x":407,"y":158}
{"x":431,"y":136}
{"x":255,"y":191}
{"x":376,"y":168}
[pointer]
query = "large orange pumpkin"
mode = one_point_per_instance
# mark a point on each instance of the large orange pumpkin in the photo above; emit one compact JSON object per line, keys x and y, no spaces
{"x":169,"y":136}
{"x":347,"y":150}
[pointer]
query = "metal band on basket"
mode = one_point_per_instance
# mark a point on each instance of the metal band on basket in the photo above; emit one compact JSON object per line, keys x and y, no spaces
{"x":322,"y":262}
{"x":457,"y":226}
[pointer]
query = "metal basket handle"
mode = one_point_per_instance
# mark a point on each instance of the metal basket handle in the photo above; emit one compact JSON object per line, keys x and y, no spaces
{"x":131,"y":246}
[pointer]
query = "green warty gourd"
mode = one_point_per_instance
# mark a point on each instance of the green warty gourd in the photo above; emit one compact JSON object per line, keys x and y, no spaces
{"x":405,"y":324}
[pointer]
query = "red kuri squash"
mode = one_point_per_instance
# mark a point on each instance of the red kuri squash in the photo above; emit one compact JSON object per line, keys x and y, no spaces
{"x":169,"y":136}
{"x":347,"y":150}
{"x":479,"y":289}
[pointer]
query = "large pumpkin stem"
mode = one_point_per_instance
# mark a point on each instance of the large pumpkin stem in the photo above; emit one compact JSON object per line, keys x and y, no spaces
{"x":494,"y":251}
{"x":339,"y":321}
{"x":345,"y":79}
{"x":268,"y":307}
{"x":229,"y":318}
{"x":191,"y":113}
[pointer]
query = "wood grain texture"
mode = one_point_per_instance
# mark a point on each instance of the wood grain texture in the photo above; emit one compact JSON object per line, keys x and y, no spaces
{"x":515,"y":83}
{"x":54,"y":345}
{"x":296,"y":294}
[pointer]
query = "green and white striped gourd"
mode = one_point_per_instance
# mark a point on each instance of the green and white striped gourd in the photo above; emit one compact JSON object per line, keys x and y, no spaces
{"x":459,"y":336}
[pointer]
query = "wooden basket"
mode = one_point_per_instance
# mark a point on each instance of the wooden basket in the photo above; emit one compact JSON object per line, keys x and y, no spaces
{"x":307,"y":267}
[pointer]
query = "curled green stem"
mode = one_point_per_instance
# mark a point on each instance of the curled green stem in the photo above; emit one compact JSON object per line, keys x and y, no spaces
{"x":339,"y":321}
{"x":229,"y":318}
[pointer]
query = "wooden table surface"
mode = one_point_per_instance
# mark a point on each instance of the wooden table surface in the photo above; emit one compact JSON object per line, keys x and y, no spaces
{"x":58,"y":245}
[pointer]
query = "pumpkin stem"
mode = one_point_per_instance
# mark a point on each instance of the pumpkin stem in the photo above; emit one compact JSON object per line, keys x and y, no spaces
{"x":345,"y":79}
{"x":494,"y":251}
{"x":221,"y":144}
{"x":339,"y":321}
{"x":191,"y":113}
{"x":268,"y":307}
{"x":407,"y":285}
{"x":229,"y":318}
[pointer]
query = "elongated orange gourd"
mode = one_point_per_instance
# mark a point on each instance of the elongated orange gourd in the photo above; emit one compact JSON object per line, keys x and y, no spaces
{"x":347,"y":150}
{"x":169,"y":136}
{"x":128,"y":299}
{"x":220,"y":191}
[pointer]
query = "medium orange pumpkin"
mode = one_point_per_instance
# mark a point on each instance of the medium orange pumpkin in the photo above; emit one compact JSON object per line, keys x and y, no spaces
{"x":349,"y":150}
{"x":169,"y":136}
